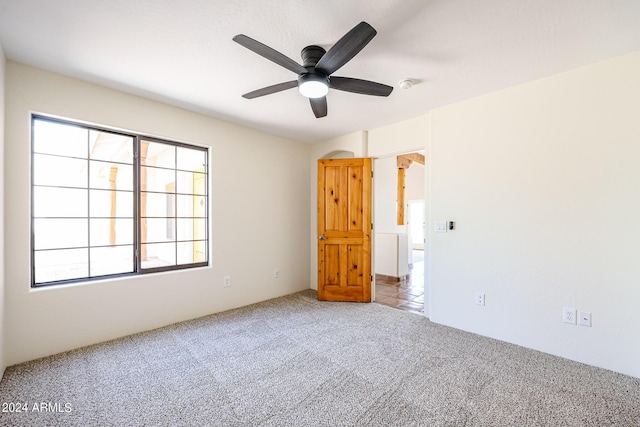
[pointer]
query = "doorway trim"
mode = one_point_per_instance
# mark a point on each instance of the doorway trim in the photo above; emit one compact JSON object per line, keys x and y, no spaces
{"x":427,"y":216}
{"x":423,"y":224}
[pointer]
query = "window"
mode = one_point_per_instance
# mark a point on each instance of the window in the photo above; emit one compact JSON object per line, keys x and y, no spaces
{"x":108,"y":203}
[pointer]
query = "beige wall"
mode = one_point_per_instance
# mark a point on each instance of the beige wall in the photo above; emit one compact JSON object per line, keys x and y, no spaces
{"x":544,"y":184}
{"x":259,"y":210}
{"x":2,"y":344}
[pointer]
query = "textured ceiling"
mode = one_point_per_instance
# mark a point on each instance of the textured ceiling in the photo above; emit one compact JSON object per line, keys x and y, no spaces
{"x":181,"y":52}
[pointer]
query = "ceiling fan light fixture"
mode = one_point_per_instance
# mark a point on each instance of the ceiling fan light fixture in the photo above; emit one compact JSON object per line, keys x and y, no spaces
{"x":313,"y":85}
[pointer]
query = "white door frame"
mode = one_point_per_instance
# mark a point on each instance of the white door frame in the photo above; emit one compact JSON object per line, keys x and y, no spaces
{"x":421,"y":224}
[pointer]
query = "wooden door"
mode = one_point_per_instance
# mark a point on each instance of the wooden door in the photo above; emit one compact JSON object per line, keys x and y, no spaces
{"x":344,"y":230}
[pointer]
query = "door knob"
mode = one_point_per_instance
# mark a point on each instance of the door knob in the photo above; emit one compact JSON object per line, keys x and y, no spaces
{"x":321,"y":237}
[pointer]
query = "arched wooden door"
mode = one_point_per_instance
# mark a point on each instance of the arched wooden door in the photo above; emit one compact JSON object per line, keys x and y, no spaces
{"x":344,"y":230}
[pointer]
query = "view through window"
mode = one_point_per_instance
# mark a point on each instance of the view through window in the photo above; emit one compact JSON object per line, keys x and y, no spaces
{"x":107,"y":203}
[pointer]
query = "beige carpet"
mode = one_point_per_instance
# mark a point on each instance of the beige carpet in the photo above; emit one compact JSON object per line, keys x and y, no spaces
{"x":294,"y":361}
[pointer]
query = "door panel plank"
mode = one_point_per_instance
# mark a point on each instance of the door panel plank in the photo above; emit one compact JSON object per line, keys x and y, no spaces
{"x":332,"y":199}
{"x":354,"y":258}
{"x":355,"y":198}
{"x":332,"y":261}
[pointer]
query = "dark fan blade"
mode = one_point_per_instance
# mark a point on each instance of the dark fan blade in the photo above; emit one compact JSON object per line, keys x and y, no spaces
{"x":319,"y":106}
{"x":271,"y":89}
{"x":269,"y":53}
{"x":346,"y":48}
{"x":364,"y":87}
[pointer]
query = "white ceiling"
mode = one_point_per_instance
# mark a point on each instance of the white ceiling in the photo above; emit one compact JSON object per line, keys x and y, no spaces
{"x":180,"y":51}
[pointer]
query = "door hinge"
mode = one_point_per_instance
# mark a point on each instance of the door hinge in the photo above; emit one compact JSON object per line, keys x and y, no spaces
{"x":371,"y":226}
{"x":371,"y":174}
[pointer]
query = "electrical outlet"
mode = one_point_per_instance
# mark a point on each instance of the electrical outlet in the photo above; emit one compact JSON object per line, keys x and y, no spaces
{"x":276,"y":273}
{"x":585,"y":318}
{"x":227,"y":281}
{"x":569,"y":315}
{"x":479,"y":298}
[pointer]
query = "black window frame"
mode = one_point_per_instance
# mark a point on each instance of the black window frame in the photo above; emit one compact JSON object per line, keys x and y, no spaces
{"x":137,"y":268}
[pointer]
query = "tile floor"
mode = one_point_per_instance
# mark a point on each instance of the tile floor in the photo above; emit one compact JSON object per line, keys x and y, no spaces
{"x":408,"y":294}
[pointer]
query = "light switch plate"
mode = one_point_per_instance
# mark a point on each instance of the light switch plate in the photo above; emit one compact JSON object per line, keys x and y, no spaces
{"x":440,"y":226}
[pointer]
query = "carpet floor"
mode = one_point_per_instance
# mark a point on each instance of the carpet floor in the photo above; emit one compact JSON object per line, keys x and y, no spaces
{"x":294,"y":361}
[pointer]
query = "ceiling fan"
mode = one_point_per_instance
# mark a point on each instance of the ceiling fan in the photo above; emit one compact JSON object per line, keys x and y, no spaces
{"x":315,"y":74}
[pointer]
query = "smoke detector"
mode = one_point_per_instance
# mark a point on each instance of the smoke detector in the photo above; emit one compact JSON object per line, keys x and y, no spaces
{"x":406,"y":84}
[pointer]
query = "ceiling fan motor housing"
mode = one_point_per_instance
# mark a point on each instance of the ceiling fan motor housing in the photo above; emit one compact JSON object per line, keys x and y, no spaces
{"x":311,"y":55}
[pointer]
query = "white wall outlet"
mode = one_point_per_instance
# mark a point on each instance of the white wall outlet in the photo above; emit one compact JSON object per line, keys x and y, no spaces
{"x":276,"y":273}
{"x":569,"y":315}
{"x":479,"y":298}
{"x":584,"y":318}
{"x":227,"y":281}
{"x":440,"y":226}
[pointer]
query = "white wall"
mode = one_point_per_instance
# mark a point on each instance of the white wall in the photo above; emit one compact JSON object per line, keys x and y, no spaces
{"x":2,"y":84}
{"x":414,"y":182}
{"x":259,"y":194}
{"x":385,"y":195}
{"x":544,"y":184}
{"x":398,"y":138}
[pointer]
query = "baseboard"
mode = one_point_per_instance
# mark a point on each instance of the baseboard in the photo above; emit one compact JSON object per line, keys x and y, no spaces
{"x":391,"y":278}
